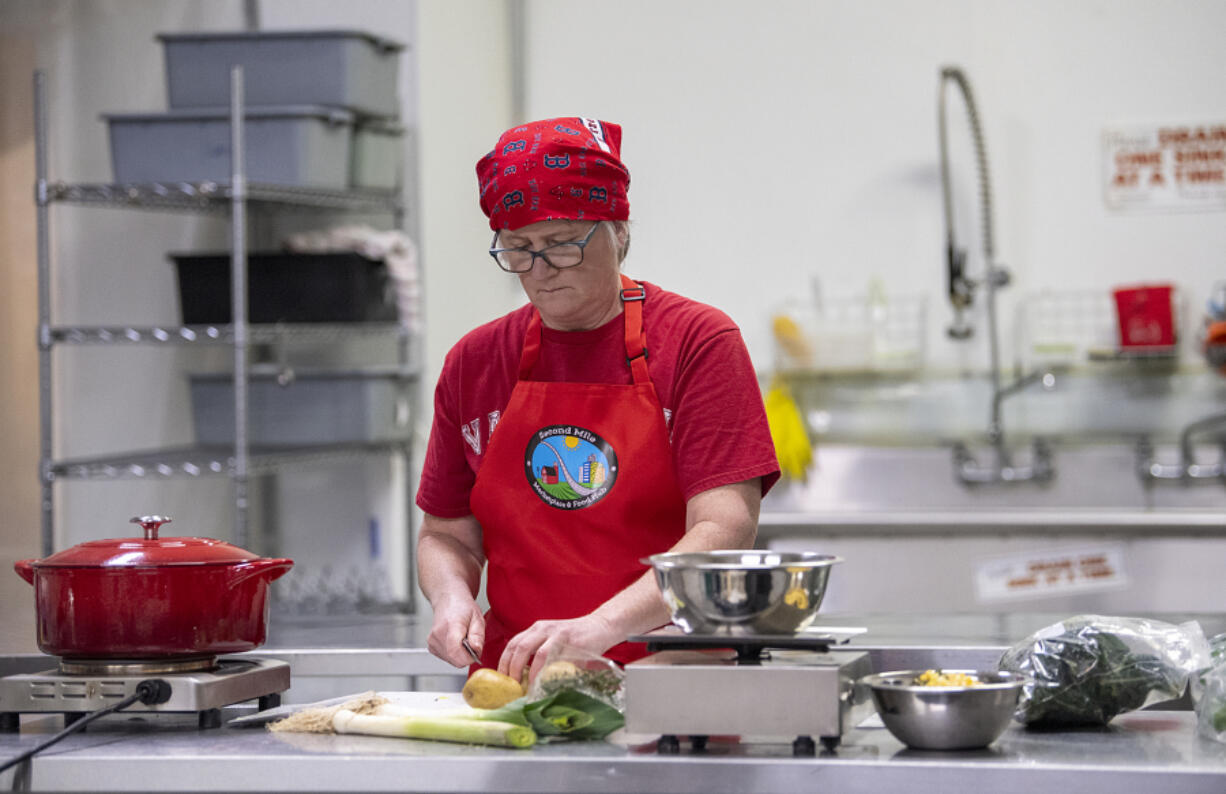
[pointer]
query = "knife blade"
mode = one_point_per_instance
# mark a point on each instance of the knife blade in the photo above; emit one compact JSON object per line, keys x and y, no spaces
{"x":476,"y":659}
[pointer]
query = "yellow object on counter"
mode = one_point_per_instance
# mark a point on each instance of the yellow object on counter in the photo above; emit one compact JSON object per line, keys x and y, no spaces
{"x":787,"y":428}
{"x":934,"y":678}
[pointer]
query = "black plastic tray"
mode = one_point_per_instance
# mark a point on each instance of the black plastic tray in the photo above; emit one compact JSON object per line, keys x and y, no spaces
{"x":287,"y":287}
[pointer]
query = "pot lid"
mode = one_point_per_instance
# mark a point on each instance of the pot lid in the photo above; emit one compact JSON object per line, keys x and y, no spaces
{"x":149,"y":551}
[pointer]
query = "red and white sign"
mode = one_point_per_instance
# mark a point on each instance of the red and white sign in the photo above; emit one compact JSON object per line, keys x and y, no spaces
{"x":1176,"y":166}
{"x":1054,"y":572}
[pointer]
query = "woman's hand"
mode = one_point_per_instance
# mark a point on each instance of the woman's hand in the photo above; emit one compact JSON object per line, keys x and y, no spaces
{"x":449,"y":562}
{"x":454,"y":620}
{"x":536,"y":644}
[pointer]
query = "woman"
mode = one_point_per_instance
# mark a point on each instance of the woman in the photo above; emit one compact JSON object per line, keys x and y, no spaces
{"x":629,"y":422}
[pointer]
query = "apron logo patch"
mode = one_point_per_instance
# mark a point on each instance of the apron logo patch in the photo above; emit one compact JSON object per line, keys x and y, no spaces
{"x":569,"y":467}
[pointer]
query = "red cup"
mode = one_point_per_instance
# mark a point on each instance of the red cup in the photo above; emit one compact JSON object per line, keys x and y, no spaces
{"x":1215,"y":345}
{"x":1145,"y":314}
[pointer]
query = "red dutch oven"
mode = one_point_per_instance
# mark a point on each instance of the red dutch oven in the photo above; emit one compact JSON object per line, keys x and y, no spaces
{"x":151,"y":597}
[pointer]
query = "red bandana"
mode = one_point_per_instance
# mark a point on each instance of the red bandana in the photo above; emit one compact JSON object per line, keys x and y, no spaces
{"x":567,"y":168}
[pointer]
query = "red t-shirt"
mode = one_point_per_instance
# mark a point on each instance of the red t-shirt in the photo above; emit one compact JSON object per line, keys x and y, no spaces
{"x":698,"y":363}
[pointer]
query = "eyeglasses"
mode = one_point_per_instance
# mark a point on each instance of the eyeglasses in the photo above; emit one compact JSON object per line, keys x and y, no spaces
{"x":558,"y":255}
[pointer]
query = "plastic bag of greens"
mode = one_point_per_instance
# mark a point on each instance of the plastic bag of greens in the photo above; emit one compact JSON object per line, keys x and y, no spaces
{"x":1087,"y":669}
{"x":570,"y":668}
{"x":576,"y":695}
{"x":1209,"y":693}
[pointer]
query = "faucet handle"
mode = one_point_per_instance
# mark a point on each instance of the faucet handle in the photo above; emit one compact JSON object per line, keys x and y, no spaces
{"x":1044,"y":469}
{"x":960,"y":329}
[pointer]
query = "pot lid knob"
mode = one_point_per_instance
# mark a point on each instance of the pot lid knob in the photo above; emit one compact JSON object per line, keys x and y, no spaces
{"x":150,"y":524}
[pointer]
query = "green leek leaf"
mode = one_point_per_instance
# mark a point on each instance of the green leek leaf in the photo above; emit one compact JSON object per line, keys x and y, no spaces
{"x":573,"y":715}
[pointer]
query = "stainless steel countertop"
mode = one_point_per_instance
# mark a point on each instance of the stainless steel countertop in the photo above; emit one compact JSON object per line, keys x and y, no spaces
{"x":1158,"y":750}
{"x":1146,"y":750}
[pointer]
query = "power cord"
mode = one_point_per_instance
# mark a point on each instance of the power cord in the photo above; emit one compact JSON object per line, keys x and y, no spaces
{"x":150,"y":692}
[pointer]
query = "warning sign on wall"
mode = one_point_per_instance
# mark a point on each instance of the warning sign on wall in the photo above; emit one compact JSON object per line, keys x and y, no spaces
{"x":1051,"y":572}
{"x":1177,"y":166}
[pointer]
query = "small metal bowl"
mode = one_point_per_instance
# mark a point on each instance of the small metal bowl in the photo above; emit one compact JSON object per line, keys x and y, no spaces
{"x":742,"y":592}
{"x":945,"y":717}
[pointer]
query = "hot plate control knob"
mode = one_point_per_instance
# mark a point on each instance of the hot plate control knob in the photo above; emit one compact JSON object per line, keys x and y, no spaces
{"x":151,"y":524}
{"x":153,"y":691}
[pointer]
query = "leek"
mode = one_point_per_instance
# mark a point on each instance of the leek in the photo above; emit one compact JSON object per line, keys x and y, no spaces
{"x":566,"y":714}
{"x":572,"y":715}
{"x":463,"y":729}
{"x":513,"y":712}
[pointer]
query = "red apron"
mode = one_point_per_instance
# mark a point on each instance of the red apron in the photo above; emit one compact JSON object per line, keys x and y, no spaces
{"x":576,"y":486}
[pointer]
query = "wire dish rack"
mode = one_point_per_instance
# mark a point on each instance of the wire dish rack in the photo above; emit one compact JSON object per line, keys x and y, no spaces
{"x":1065,"y":328}
{"x":862,"y":333}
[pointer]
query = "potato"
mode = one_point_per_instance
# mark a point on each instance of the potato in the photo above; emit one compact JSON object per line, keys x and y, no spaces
{"x":560,"y":671}
{"x":490,"y":689}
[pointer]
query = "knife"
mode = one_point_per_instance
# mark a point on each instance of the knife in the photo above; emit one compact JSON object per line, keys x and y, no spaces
{"x":471,"y":652}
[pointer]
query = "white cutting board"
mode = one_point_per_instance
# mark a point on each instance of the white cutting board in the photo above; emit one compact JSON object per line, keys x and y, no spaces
{"x":423,"y":701}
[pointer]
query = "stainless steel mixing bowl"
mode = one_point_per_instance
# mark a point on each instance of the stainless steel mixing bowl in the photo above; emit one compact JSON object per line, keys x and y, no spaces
{"x":742,"y":592}
{"x":945,"y":718}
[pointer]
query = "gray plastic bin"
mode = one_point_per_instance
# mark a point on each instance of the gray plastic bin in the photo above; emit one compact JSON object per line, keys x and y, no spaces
{"x":325,"y":408}
{"x":345,"y":68}
{"x":378,"y":154}
{"x":287,"y":145}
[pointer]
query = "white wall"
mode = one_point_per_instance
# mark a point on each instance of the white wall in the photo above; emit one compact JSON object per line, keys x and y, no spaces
{"x":465,"y":85}
{"x":771,"y":141}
